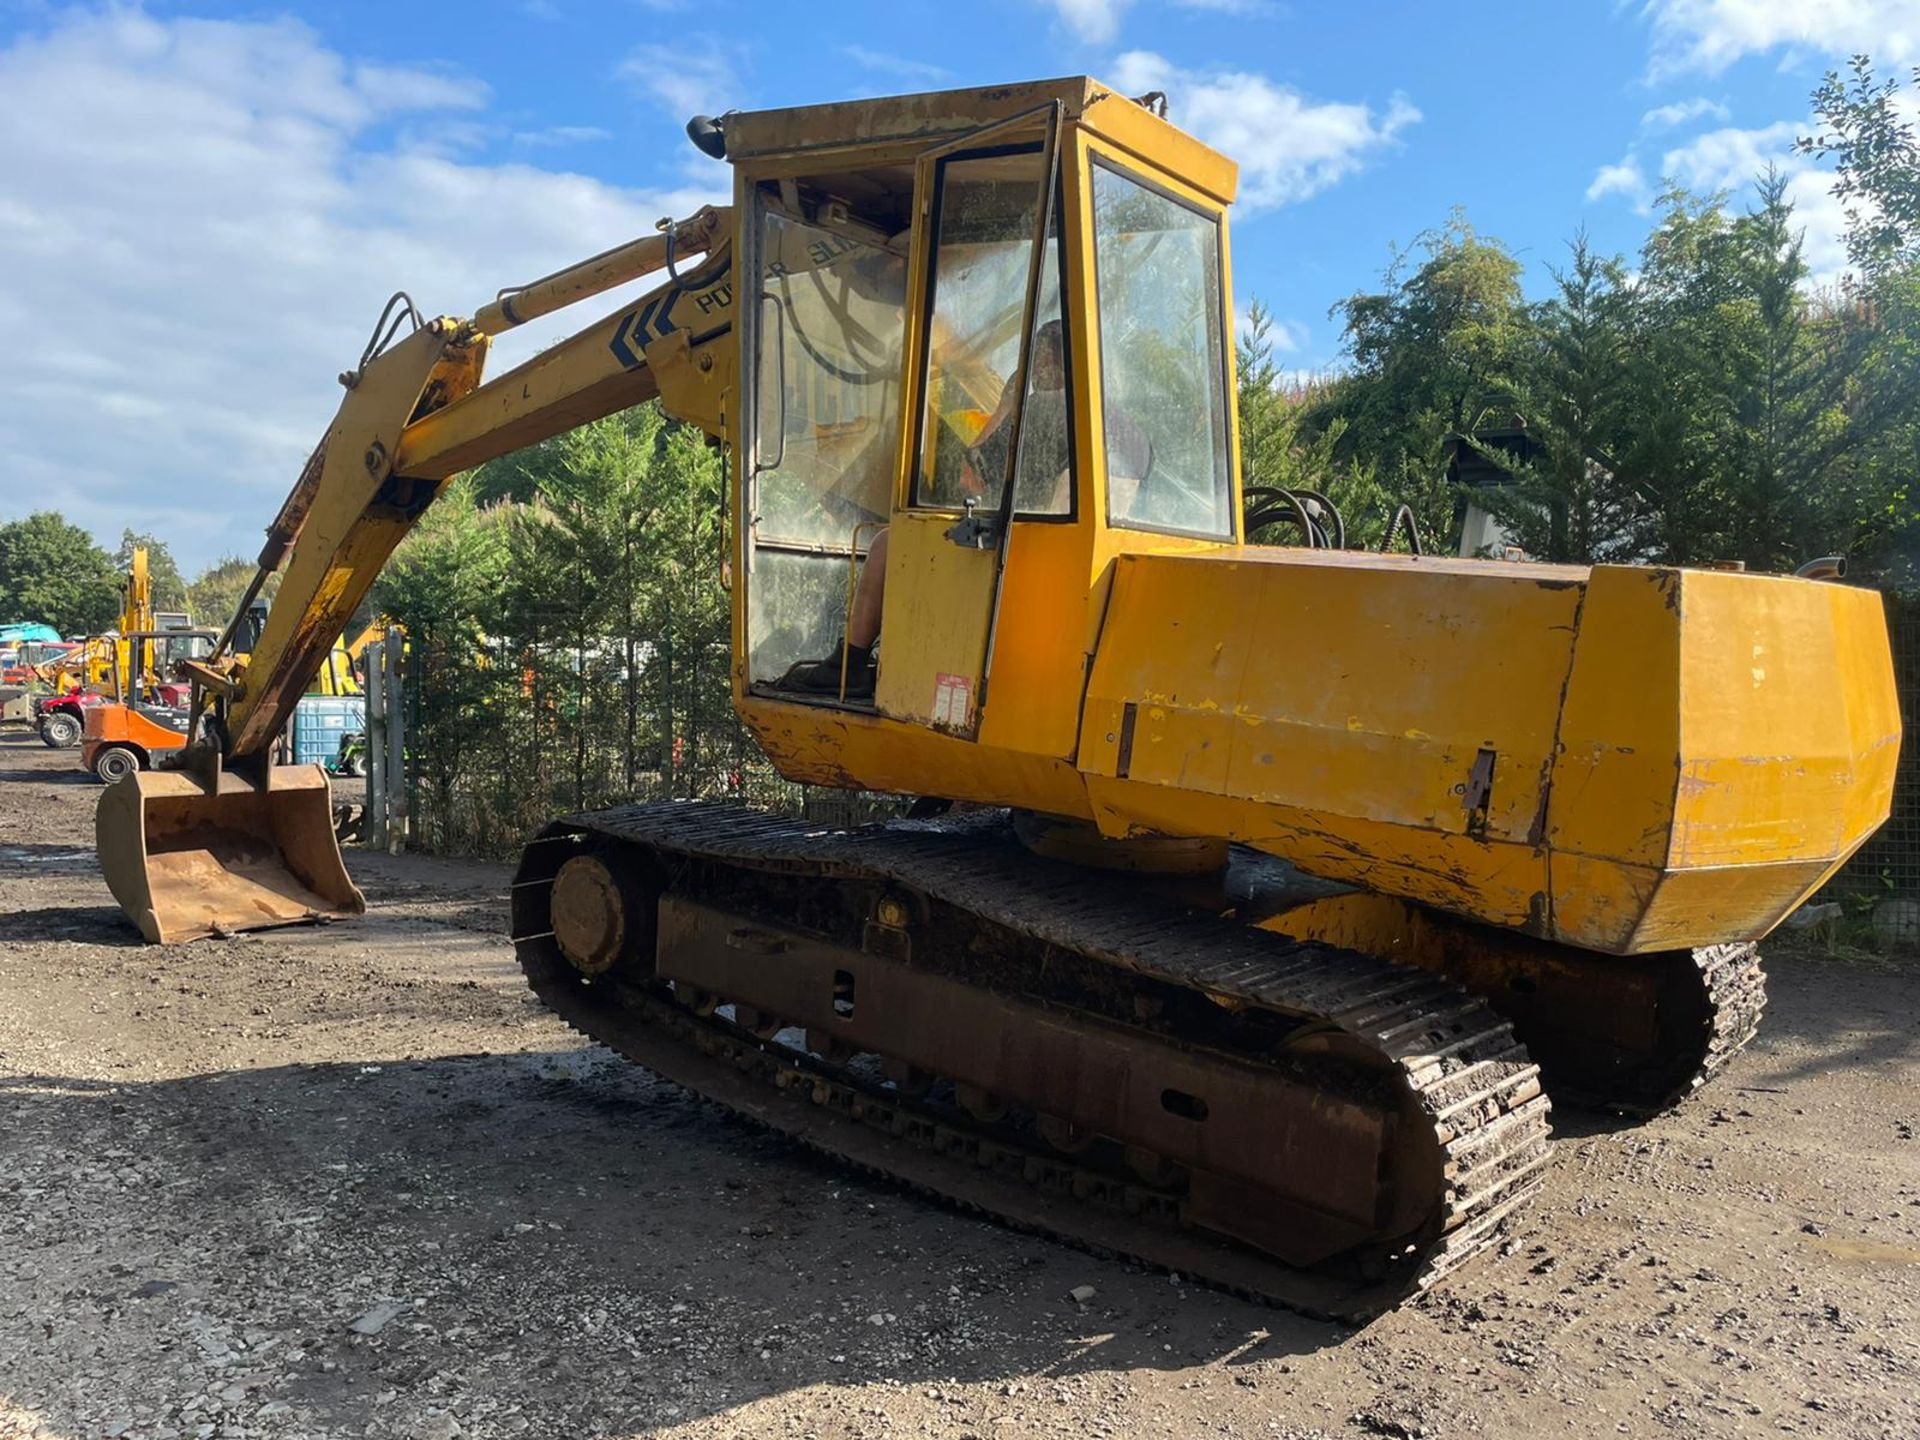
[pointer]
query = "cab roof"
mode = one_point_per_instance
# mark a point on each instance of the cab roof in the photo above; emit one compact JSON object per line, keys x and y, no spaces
{"x":889,"y":122}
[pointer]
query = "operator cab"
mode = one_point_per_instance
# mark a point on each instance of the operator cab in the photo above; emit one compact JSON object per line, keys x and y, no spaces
{"x":987,"y":349}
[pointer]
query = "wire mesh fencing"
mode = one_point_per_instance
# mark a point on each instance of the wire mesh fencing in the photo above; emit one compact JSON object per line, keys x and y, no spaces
{"x":503,"y":742}
{"x":1880,"y":886}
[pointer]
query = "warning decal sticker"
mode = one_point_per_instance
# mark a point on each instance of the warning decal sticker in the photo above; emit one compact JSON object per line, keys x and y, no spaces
{"x":952,"y":701}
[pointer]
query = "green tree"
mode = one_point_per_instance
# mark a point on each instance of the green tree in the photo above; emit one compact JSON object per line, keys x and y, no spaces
{"x":1870,"y":137}
{"x":1874,"y":323}
{"x":1734,"y":435}
{"x":1436,"y":351}
{"x":163,"y":575}
{"x":443,"y":586}
{"x":1790,"y":443}
{"x":1693,"y":414}
{"x":52,"y":572}
{"x":1573,"y":504}
{"x":1679,"y":388}
{"x":688,"y":672}
{"x":214,"y":594}
{"x":1708,"y":408}
{"x":579,"y":566}
{"x":614,"y":567}
{"x":1875,"y":510}
{"x":1281,"y":447}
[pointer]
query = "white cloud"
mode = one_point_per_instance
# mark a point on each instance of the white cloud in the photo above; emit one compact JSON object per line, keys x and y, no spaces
{"x":1095,"y":21}
{"x":1683,"y":112}
{"x":1709,"y":35}
{"x":1732,"y":159}
{"x":200,"y":221}
{"x":1098,"y":21}
{"x":561,"y":135}
{"x":1288,"y":146}
{"x":1287,"y":337}
{"x":696,"y":75}
{"x":895,"y":65}
{"x":1625,"y":179}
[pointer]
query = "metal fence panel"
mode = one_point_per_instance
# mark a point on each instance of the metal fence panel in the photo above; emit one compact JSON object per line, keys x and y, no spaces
{"x":1885,"y":874}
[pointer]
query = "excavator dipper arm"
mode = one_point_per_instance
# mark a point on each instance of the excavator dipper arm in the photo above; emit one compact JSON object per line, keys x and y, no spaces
{"x":222,"y":840}
{"x":416,"y":414}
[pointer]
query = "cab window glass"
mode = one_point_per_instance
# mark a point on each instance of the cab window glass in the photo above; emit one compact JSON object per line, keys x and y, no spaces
{"x":1162,"y":359}
{"x":832,"y":320}
{"x":982,"y":246}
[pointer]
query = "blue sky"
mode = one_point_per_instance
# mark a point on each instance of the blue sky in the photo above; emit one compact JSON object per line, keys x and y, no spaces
{"x":204,"y":205}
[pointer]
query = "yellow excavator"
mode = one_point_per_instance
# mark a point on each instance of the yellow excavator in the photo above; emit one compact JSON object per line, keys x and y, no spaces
{"x":81,"y":678}
{"x":1271,"y":858}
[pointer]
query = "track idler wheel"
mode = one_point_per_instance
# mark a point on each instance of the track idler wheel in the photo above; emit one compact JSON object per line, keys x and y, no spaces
{"x":603,"y":916}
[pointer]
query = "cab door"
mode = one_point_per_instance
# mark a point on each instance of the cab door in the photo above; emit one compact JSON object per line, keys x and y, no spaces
{"x":982,"y":450}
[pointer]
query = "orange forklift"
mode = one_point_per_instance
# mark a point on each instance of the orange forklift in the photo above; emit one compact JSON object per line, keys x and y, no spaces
{"x":133,"y":725}
{"x":122,"y":733}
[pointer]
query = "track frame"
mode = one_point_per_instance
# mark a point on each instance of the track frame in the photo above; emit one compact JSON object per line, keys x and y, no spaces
{"x":1330,"y":1037}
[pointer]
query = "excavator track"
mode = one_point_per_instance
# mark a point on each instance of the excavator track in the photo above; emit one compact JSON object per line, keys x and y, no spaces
{"x":1633,"y":1035}
{"x":1726,"y":992}
{"x":1076,"y":987}
{"x":1630,"y":1035}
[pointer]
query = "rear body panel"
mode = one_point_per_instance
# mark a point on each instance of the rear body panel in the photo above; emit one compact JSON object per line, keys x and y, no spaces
{"x":1626,"y":760}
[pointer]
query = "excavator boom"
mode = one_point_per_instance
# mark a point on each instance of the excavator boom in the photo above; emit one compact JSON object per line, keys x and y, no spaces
{"x":222,"y":840}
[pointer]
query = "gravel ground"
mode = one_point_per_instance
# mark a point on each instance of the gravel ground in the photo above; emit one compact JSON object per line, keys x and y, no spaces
{"x":351,"y":1181}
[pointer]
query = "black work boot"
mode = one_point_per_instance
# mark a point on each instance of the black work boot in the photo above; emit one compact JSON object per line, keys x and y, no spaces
{"x":822,"y":677}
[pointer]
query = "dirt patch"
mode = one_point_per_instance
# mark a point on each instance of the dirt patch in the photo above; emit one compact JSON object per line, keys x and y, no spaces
{"x":350,"y":1180}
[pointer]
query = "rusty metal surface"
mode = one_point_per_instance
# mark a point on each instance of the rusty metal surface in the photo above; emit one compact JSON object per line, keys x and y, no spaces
{"x":1391,"y":1041}
{"x":922,"y":119}
{"x":1634,"y":1034}
{"x":590,"y":920}
{"x":187,"y":860}
{"x":1306,"y":1149}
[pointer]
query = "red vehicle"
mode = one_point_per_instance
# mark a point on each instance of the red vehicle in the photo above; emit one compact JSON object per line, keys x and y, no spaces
{"x":61,"y":719}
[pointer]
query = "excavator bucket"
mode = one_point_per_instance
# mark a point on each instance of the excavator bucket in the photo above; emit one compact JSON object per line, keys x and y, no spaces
{"x":186,"y":861}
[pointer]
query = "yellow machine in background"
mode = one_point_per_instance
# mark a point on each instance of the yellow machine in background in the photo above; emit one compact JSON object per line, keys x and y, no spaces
{"x":1288,"y":842}
{"x":103,"y":664}
{"x":337,"y":675}
{"x":102,"y":657}
{"x":91,"y":664}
